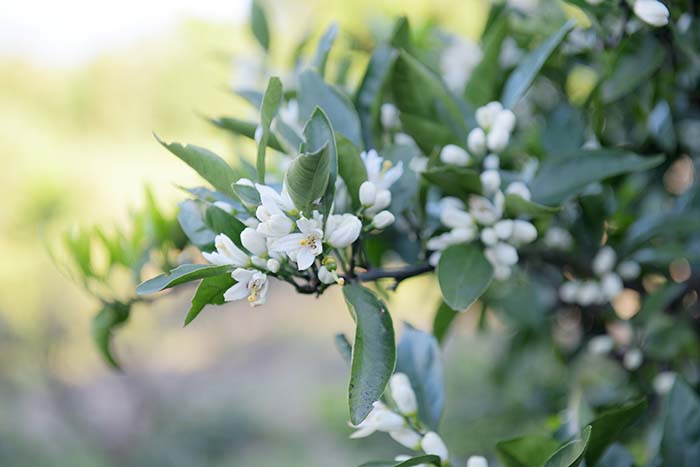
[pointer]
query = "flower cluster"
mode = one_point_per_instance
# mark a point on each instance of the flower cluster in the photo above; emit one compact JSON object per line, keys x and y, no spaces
{"x":606,"y":283}
{"x":375,"y":196}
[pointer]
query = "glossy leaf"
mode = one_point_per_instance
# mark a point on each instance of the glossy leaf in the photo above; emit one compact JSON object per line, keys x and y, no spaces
{"x":268,"y":110}
{"x":570,"y":454}
{"x":209,"y":292}
{"x":680,"y":445}
{"x":456,"y":181}
{"x":180,"y":275}
{"x":516,"y":206}
{"x":247,"y":129}
{"x":606,"y":428}
{"x":526,"y":451}
{"x":444,"y":316}
{"x":464,"y":274}
{"x":524,"y":74}
{"x":319,"y":137}
{"x":633,"y":69}
{"x":373,"y":353}
{"x":219,"y":221}
{"x":351,"y":168}
{"x":104,"y":323}
{"x":413,"y":462}
{"x":418,"y":357}
{"x":191,"y":215}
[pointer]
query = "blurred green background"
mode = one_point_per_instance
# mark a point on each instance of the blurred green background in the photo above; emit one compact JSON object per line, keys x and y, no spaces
{"x":238,"y":387}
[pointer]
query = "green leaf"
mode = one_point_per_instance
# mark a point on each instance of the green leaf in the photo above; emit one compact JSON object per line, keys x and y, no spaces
{"x":247,"y":194}
{"x":418,"y":357}
{"x":606,"y":428}
{"x":307,"y":178}
{"x":464,"y":274}
{"x":633,"y":69}
{"x":104,"y":323}
{"x":373,"y":353}
{"x":427,"y":459}
{"x":482,"y":87}
{"x":314,"y":92}
{"x":319,"y":137}
{"x":428,"y":134}
{"x":583,"y":168}
{"x":518,"y":206}
{"x":616,"y":456}
{"x":564,"y":132}
{"x":219,"y":221}
{"x":209,"y":292}
{"x":324,"y":48}
{"x":258,"y":23}
{"x":680,"y":445}
{"x":247,"y":129}
{"x":351,"y":168}
{"x":344,"y":348}
{"x":660,"y":125}
{"x":571,"y":453}
{"x":368,"y":99}
{"x":444,"y":316}
{"x":268,"y":110}
{"x":180,"y":275}
{"x":526,"y":451}
{"x":455,"y":181}
{"x":191,"y":218}
{"x":208,"y":165}
{"x":522,"y":77}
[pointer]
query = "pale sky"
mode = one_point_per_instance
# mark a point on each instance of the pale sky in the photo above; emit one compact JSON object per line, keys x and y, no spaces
{"x":68,"y":32}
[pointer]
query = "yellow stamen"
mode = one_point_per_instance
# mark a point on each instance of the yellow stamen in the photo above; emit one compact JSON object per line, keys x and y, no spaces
{"x":303,"y":242}
{"x":340,"y":281}
{"x":251,"y":298}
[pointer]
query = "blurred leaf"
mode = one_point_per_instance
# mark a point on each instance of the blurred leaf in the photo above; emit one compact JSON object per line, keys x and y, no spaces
{"x":209,"y":292}
{"x":319,"y":137}
{"x":616,"y":456}
{"x":247,"y":129}
{"x":456,"y":181}
{"x":404,"y":190}
{"x":564,"y":133}
{"x":413,"y":462}
{"x":418,"y":357}
{"x":258,"y":23}
{"x":583,"y":168}
{"x":268,"y":110}
{"x":526,"y":451}
{"x":208,"y":165}
{"x":464,"y":274}
{"x":633,"y":69}
{"x":444,"y":316}
{"x":428,"y":134}
{"x":78,"y":242}
{"x":180,"y":275}
{"x":252,"y":96}
{"x":607,"y":427}
{"x":652,"y":225}
{"x":660,"y":125}
{"x":324,"y":48}
{"x":571,"y":453}
{"x":314,"y":92}
{"x":518,"y":206}
{"x":104,"y":323}
{"x":482,"y":86}
{"x":680,"y":445}
{"x":344,"y":347}
{"x":374,"y":351}
{"x":522,"y":77}
{"x":191,"y":218}
{"x":351,"y":168}
{"x":368,"y":99}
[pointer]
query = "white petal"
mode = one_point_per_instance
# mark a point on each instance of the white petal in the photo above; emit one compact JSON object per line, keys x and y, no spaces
{"x":305,"y":258}
{"x":237,"y":292}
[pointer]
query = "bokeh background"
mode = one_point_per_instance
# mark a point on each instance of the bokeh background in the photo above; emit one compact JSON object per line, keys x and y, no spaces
{"x":83,"y":85}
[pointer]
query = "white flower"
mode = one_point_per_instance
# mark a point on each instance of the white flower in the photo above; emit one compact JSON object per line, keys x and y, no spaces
{"x":484,"y":211}
{"x":601,"y":344}
{"x":303,"y":247}
{"x":254,"y":241}
{"x":489,"y":236}
{"x":379,"y":419}
{"x":492,"y":162}
{"x":434,"y":258}
{"x":406,"y":437}
{"x":454,"y":216}
{"x":629,"y":270}
{"x":497,"y":139}
{"x":252,"y":222}
{"x":250,"y":283}
{"x":558,"y":238}
{"x":505,"y":120}
{"x":419,"y":164}
{"x":476,"y":141}
{"x":272,"y":265}
{"x":433,"y":444}
{"x":325,"y":276}
{"x":486,"y":115}
{"x":505,"y":254}
{"x":604,"y":261}
{"x":227,"y":253}
{"x":519,"y":189}
{"x":504,"y":229}
{"x":389,"y":116}
{"x":402,"y":394}
{"x":271,"y":213}
{"x":588,"y":293}
{"x":611,"y":285}
{"x":462,"y":234}
{"x":380,"y":172}
{"x":368,"y":193}
{"x":490,"y":181}
{"x":454,"y":155}
{"x":663,"y":382}
{"x":651,"y":12}
{"x":477,"y":461}
{"x":501,"y":272}
{"x":632,"y":359}
{"x":523,"y":232}
{"x":568,"y":292}
{"x":383,"y":220}
{"x":342,"y":230}
{"x":383,"y":200}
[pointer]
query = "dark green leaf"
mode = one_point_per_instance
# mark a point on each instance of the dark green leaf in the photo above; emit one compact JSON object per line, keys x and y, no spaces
{"x":418,"y":357}
{"x":344,"y":348}
{"x":680,"y":445}
{"x":104,"y":323}
{"x":444,"y":316}
{"x":247,"y":129}
{"x":428,"y":134}
{"x":268,"y":110}
{"x":464,"y":274}
{"x":209,"y":292}
{"x":522,"y":77}
{"x":351,"y":168}
{"x":415,"y":461}
{"x":324,"y":48}
{"x":219,"y":221}
{"x":373,"y":353}
{"x":180,"y":275}
{"x":633,"y":69}
{"x":571,"y":453}
{"x":518,"y":206}
{"x":564,"y":133}
{"x":258,"y":23}
{"x":247,"y":194}
{"x":606,"y":428}
{"x":319,"y":137}
{"x":526,"y":451}
{"x":616,"y":456}
{"x":453,"y":180}
{"x":482,"y":87}
{"x":583,"y":168}
{"x":661,"y":126}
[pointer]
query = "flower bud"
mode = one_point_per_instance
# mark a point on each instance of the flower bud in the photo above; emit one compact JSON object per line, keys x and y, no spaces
{"x":462,"y":234}
{"x":406,"y":437}
{"x":629,"y":270}
{"x":519,"y":189}
{"x":389,"y":116}
{"x":588,"y":293}
{"x":506,"y":254}
{"x":433,"y":444}
{"x":452,"y":154}
{"x":477,"y":461}
{"x":492,"y":161}
{"x":325,"y":276}
{"x":524,"y":232}
{"x":368,"y":193}
{"x":568,"y":291}
{"x":489,"y":236}
{"x":490,"y":181}
{"x":663,"y":382}
{"x":342,"y":230}
{"x":497,"y":139}
{"x":382,"y":201}
{"x":505,"y":120}
{"x":254,"y":241}
{"x":273,"y":265}
{"x":504,"y":229}
{"x":611,"y":285}
{"x":379,"y":419}
{"x":476,"y":141}
{"x":604,"y":260}
{"x":486,"y":115}
{"x":632,"y":359}
{"x":402,"y":394}
{"x":601,"y":344}
{"x":382,"y":220}
{"x":558,"y":238}
{"x":651,"y":12}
